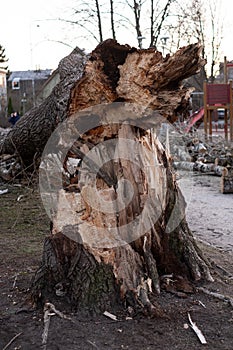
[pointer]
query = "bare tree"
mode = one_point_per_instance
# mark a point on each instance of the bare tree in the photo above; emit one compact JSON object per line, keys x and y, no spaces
{"x":136,"y":7}
{"x":99,"y":20}
{"x":216,"y":36}
{"x":189,"y":27}
{"x":182,"y":21}
{"x":198,"y":21}
{"x":157,"y":21}
{"x":112,"y":19}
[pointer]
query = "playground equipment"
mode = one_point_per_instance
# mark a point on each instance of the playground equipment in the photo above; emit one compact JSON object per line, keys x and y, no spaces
{"x":218,"y":96}
{"x":194,"y":118}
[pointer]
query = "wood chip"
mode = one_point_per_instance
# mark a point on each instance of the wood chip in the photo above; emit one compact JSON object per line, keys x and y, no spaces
{"x":108,"y":314}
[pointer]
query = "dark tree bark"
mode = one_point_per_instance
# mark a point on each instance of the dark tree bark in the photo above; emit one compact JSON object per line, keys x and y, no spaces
{"x":114,"y":246}
{"x":35,"y":127}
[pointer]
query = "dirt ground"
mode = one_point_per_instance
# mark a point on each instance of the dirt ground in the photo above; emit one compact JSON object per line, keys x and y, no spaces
{"x":24,"y":225}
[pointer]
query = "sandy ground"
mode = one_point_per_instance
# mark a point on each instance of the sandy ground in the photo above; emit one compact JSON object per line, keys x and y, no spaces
{"x":209,"y":212}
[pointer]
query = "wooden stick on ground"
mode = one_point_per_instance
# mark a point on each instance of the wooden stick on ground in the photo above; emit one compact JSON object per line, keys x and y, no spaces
{"x":47,"y":316}
{"x":11,"y":341}
{"x":217,"y":295}
{"x":197,"y":330}
{"x":49,"y":310}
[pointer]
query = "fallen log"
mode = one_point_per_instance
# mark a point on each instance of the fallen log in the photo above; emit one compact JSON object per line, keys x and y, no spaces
{"x":35,"y":127}
{"x":124,"y":226}
{"x":207,"y":168}
{"x":227,"y":182}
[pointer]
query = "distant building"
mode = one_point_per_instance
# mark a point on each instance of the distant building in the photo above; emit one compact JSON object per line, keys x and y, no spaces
{"x":225,"y":72}
{"x":24,"y":86}
{"x":3,"y":97}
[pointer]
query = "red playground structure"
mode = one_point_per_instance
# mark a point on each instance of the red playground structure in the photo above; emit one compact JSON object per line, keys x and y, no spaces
{"x":218,"y":96}
{"x":194,"y":118}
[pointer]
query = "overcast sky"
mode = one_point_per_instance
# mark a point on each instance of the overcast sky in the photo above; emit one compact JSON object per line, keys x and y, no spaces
{"x":30,"y":34}
{"x":26,"y":32}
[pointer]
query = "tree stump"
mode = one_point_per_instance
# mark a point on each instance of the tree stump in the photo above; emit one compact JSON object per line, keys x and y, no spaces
{"x":118,"y":222}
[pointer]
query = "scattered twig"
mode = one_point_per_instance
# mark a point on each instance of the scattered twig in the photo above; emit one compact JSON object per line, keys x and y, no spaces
{"x":226,"y":273}
{"x":49,"y":310}
{"x":51,"y":307}
{"x":15,"y":280}
{"x":20,"y":197}
{"x":197,"y":330}
{"x":47,"y":315}
{"x":108,"y":314}
{"x":12,"y":340}
{"x":93,"y":344}
{"x":203,"y":305}
{"x":217,"y":295}
{"x":5,"y":157}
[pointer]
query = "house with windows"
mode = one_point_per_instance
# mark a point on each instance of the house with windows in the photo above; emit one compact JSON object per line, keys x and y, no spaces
{"x":23,"y":87}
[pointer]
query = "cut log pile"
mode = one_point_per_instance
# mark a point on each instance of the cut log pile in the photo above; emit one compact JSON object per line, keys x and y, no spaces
{"x":199,"y":156}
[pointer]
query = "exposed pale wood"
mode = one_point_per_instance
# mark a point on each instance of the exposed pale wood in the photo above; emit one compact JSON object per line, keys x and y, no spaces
{"x":151,"y":80}
{"x":47,"y":316}
{"x":108,"y":314}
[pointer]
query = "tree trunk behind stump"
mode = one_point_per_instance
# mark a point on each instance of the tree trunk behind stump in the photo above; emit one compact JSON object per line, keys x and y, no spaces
{"x":28,"y":138}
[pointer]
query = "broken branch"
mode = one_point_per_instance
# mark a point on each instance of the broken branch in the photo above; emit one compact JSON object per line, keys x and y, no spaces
{"x":11,"y":341}
{"x":197,"y":331}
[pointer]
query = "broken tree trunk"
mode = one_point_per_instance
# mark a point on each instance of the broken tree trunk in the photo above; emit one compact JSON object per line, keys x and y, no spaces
{"x":118,"y":222}
{"x":33,"y":130}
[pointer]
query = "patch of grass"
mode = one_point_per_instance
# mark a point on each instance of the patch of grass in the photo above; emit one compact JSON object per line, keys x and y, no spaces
{"x":24,"y":223}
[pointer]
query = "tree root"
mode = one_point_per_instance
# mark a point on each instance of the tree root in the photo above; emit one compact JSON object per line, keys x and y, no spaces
{"x":216,"y":295}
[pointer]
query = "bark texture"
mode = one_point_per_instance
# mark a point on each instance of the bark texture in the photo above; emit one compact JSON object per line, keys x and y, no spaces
{"x":116,"y":236}
{"x":33,"y":130}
